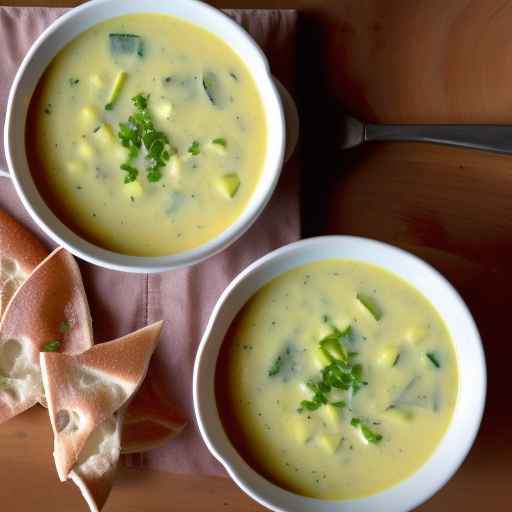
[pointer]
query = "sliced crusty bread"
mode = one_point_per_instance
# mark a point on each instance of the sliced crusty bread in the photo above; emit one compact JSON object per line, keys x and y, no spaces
{"x":20,"y":253}
{"x":50,"y":307}
{"x":84,"y":390}
{"x":150,"y":420}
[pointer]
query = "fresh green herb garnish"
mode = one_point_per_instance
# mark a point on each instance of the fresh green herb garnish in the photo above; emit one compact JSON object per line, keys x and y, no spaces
{"x":340,"y":404}
{"x":64,"y":326}
{"x":370,"y":304}
{"x":73,"y":81}
{"x":52,"y":346}
{"x":276,"y":366}
{"x":220,"y":141}
{"x":395,"y":362}
{"x":434,"y":359}
{"x":340,"y":373}
{"x":194,"y":148}
{"x":369,"y":435}
{"x":140,"y":131}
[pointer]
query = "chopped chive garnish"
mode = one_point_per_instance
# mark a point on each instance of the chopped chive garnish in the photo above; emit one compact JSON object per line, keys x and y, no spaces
{"x":370,"y":304}
{"x":368,"y":434}
{"x":73,"y":81}
{"x":340,"y":404}
{"x":397,"y":358}
{"x":52,"y":346}
{"x":434,"y":359}
{"x":276,"y":366}
{"x":194,"y":148}
{"x":221,"y":141}
{"x":64,"y":326}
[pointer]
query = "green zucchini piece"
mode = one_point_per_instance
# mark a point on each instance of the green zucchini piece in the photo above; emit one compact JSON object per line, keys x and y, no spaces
{"x":370,"y":304}
{"x":126,"y":44}
{"x":116,"y":90}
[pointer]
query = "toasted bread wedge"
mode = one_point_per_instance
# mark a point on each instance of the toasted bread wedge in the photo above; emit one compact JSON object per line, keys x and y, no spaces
{"x":84,"y":392}
{"x":48,"y":312}
{"x":95,"y":469}
{"x":20,"y":253}
{"x":150,"y":420}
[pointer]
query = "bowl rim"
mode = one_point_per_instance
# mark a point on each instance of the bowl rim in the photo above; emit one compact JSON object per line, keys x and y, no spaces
{"x":82,"y":248}
{"x":238,"y":469}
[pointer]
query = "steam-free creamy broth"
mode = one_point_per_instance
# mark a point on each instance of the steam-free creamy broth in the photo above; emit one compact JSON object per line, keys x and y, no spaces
{"x":337,"y":380}
{"x":146,"y":135}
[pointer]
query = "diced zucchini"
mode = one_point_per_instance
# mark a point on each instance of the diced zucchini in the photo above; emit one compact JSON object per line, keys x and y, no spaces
{"x":116,"y":90}
{"x":163,"y":109}
{"x":332,"y":415}
{"x":126,"y":44}
{"x":370,"y":305}
{"x":105,"y":134}
{"x":89,"y":117}
{"x":414,"y":334}
{"x":399,"y":414}
{"x":388,"y":355}
{"x":133,"y":189}
{"x":322,"y":358}
{"x":300,"y":429}
{"x":330,"y":442}
{"x":75,"y":167}
{"x":85,"y":150}
{"x":96,"y":81}
{"x":229,"y":184}
{"x":213,"y":89}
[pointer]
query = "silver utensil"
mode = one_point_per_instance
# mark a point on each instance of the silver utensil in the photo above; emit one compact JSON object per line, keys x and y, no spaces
{"x":486,"y":137}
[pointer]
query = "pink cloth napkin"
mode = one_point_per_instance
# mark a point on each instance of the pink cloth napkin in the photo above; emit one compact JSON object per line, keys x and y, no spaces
{"x":122,"y":302}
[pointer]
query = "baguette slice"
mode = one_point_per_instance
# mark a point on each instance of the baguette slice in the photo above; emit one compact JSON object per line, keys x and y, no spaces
{"x":85,"y":390}
{"x":20,"y":253}
{"x":49,"y":306}
{"x":150,"y":420}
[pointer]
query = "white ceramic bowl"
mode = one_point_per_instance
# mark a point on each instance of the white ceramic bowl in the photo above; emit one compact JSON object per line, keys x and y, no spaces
{"x":463,"y":428}
{"x":66,"y":28}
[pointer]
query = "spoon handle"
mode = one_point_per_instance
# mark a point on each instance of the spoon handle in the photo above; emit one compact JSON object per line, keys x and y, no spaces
{"x":496,"y":138}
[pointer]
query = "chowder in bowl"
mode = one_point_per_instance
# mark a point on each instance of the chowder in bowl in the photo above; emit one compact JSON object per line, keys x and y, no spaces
{"x":340,"y":374}
{"x":154,"y":135}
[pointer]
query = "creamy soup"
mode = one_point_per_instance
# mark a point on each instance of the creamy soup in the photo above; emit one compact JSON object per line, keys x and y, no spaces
{"x":146,"y":135}
{"x":337,"y":380}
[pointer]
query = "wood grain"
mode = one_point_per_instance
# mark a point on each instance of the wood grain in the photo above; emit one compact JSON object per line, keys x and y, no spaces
{"x":393,"y":61}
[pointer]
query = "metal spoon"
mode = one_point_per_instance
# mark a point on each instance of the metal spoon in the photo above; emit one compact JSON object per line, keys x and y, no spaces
{"x":486,"y":137}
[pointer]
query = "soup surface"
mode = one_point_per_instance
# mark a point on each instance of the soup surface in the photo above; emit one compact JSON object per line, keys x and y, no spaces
{"x":146,"y":135}
{"x":337,"y":380}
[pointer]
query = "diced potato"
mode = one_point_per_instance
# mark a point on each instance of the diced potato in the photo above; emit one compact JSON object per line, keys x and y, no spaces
{"x":229,"y":184}
{"x":89,"y":116}
{"x":300,"y":429}
{"x":133,"y":189}
{"x":175,"y":166}
{"x":96,"y":81}
{"x":331,"y":415}
{"x":75,"y":167}
{"x":85,"y":150}
{"x":216,"y":148}
{"x":330,"y":442}
{"x":120,"y":153}
{"x":105,"y":134}
{"x":414,"y":334}
{"x":387,"y":355}
{"x":163,"y":109}
{"x":399,"y":414}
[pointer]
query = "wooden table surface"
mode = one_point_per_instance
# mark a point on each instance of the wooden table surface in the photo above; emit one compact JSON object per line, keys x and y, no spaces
{"x":387,"y":61}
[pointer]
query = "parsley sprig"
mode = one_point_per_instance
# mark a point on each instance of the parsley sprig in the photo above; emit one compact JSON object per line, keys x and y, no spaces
{"x":140,"y":131}
{"x":369,"y":435}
